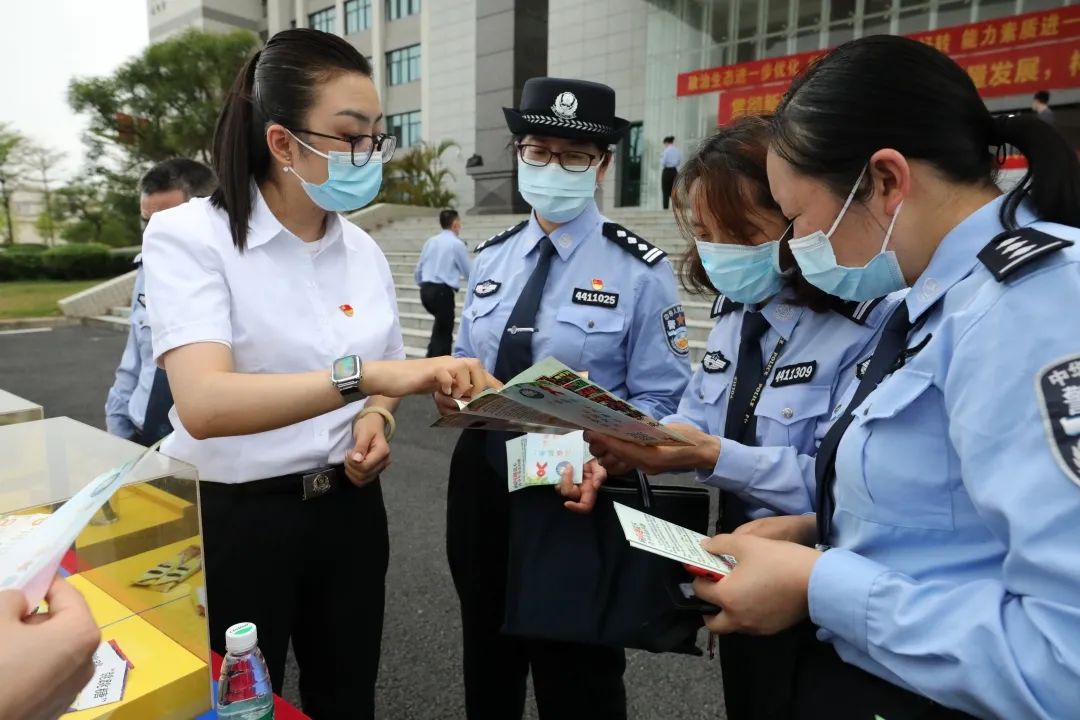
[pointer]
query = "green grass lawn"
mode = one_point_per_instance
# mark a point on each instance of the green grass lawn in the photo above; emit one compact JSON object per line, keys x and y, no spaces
{"x":37,"y":298}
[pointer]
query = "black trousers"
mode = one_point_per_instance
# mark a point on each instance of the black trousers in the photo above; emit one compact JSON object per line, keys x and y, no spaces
{"x":570,"y":680}
{"x":827,"y":688}
{"x":313,"y":571}
{"x":667,"y":183}
{"x":758,"y":671}
{"x":438,"y":299}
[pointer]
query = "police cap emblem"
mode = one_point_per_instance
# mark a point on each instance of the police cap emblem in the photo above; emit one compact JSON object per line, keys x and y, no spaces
{"x":565,"y":106}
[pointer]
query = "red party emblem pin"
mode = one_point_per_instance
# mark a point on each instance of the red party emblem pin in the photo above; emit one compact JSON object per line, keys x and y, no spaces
{"x":347,"y":309}
{"x":597,"y":284}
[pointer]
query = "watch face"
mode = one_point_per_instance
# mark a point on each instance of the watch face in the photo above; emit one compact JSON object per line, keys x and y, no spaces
{"x":345,"y":368}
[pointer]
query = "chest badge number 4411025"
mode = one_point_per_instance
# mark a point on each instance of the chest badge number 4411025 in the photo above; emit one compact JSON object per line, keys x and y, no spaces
{"x":598,"y":298}
{"x":1058,"y":388}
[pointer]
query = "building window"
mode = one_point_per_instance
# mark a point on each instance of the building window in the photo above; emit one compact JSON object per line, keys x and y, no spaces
{"x":357,"y":16}
{"x":322,"y":20}
{"x":397,"y":9}
{"x":405,"y":127}
{"x":403,"y":65}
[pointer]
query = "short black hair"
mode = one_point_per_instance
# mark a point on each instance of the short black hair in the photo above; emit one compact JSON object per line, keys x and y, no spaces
{"x":669,"y":139}
{"x":1043,"y":96}
{"x":447,"y":218}
{"x":192,"y":178}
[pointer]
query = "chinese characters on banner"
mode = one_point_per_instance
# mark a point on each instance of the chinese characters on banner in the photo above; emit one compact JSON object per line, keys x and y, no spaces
{"x":1009,"y":56}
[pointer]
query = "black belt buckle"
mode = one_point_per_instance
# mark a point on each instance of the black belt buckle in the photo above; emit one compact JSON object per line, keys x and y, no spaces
{"x":319,"y":482}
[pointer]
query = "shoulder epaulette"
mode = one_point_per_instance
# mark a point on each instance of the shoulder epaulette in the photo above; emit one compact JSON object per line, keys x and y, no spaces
{"x":504,"y":235}
{"x":1013,"y":249}
{"x":640,"y":248}
{"x":858,"y":311}
{"x":722,"y":305}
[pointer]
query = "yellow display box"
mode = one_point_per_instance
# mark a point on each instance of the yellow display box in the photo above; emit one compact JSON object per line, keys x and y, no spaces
{"x":152,"y":517}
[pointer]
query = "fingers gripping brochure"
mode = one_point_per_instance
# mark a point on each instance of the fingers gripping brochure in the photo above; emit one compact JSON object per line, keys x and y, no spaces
{"x":660,"y":537}
{"x":551,"y":398}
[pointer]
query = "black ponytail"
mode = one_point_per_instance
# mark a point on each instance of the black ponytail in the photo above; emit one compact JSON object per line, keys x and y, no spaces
{"x":885,"y":91}
{"x":1052,"y":182}
{"x":277,"y":85}
{"x":238,"y":155}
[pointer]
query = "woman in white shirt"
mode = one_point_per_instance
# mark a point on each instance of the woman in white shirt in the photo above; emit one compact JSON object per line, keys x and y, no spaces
{"x":254,"y":295}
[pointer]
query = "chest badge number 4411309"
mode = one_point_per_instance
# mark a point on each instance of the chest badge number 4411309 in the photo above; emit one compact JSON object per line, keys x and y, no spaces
{"x":1058,"y":387}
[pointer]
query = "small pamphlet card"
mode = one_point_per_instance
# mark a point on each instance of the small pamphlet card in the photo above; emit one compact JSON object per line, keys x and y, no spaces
{"x":540,"y":459}
{"x":660,"y":537}
{"x":107,"y":685}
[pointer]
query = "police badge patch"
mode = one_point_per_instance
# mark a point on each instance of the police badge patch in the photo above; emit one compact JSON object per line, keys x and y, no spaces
{"x":674,"y":321}
{"x":485,"y":288}
{"x":1058,"y":387}
{"x":714,"y":362}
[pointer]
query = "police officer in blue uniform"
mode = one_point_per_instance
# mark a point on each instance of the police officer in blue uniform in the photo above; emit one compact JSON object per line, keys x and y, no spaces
{"x":570,"y":284}
{"x":946,"y":581}
{"x":777,"y":362}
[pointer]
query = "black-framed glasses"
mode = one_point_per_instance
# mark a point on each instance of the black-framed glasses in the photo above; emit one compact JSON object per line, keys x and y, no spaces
{"x":570,"y":160}
{"x":362,"y":146}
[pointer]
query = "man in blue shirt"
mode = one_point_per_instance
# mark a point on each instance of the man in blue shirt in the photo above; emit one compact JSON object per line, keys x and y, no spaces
{"x":138,"y":402}
{"x":670,"y":160}
{"x":443,"y":262}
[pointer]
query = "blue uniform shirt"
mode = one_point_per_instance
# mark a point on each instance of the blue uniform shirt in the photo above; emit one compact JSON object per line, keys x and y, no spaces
{"x":444,"y":260}
{"x":956,"y":563}
{"x":815,"y":366}
{"x":670,"y":157}
{"x":604,"y":310}
{"x":125,"y":406}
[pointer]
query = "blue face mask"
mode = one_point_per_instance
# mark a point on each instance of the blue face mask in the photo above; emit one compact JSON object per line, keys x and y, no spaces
{"x":555,"y":194}
{"x":745,"y":273}
{"x":817,"y":261}
{"x":347,"y":187}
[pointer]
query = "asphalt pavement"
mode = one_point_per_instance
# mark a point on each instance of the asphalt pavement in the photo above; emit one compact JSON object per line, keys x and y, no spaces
{"x":69,"y":370}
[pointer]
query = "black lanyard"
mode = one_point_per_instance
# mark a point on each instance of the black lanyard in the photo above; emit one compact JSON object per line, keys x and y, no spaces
{"x":756,"y":395}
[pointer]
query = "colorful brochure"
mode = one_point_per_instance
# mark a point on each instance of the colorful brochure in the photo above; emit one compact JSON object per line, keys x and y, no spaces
{"x":550,"y":397}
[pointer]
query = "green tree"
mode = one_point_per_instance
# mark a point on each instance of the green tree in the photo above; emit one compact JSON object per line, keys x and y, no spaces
{"x":41,"y":163}
{"x":418,"y":177}
{"x":11,"y":142}
{"x":163,"y":103}
{"x":101,"y":209}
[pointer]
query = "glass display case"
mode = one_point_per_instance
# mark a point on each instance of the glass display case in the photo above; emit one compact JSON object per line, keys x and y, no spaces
{"x":138,"y":563}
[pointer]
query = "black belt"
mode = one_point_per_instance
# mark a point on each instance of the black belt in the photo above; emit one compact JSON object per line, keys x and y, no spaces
{"x":309,"y":485}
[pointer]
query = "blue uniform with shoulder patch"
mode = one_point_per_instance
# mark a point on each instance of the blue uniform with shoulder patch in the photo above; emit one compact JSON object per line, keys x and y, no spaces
{"x":817,"y":362}
{"x":610,"y":307}
{"x":955,"y":569}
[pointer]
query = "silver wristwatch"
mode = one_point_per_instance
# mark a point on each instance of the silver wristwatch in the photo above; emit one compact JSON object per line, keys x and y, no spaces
{"x":346,"y":374}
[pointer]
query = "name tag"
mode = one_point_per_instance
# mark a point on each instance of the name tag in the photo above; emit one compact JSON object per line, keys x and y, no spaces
{"x":595,"y":297}
{"x":794,"y":374}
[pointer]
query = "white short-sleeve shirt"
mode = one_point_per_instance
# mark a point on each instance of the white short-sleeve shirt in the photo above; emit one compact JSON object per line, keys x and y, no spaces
{"x":282,"y":306}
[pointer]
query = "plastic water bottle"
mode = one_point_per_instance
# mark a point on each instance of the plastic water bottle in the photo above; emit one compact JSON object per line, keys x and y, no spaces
{"x":244,"y":691}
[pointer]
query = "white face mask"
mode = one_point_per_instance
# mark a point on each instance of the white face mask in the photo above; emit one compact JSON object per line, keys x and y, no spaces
{"x":817,"y":261}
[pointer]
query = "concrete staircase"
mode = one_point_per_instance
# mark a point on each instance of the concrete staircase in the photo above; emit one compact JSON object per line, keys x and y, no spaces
{"x":402,"y":240}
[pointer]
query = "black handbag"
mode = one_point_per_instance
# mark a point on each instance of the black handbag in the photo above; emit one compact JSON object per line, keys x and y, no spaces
{"x":574,"y":578}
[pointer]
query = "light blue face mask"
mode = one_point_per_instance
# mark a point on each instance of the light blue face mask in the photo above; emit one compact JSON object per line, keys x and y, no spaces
{"x":347,"y":187}
{"x":817,"y":261}
{"x":748,"y":274}
{"x":555,"y":194}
